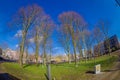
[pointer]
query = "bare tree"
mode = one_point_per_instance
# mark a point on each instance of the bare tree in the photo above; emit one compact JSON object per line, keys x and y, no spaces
{"x":104,"y":27}
{"x":27,"y":45}
{"x":89,"y":42}
{"x":73,"y":20}
{"x":98,"y":36}
{"x":79,"y":48}
{"x":37,"y":40}
{"x":3,"y":47}
{"x":50,"y":49}
{"x":25,"y":18}
{"x":47,"y":28}
{"x":65,"y":40}
{"x":1,"y":52}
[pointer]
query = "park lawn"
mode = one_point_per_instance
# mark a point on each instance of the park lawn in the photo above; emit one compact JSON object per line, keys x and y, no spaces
{"x":62,"y":71}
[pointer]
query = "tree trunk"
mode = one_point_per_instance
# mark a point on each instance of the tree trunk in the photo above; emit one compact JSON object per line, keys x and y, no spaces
{"x":109,"y":50}
{"x":80,"y":55}
{"x":85,"y":52}
{"x":22,"y":50}
{"x":26,"y":55}
{"x":69,"y":61}
{"x":44,"y":55}
{"x":74,"y":48}
{"x":37,"y":53}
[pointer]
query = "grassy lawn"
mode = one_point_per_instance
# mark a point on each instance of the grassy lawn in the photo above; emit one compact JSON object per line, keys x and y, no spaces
{"x":63,"y":71}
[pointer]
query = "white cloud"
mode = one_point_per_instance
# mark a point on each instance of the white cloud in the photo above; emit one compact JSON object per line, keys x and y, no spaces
{"x":57,"y":48}
{"x":31,"y":40}
{"x":16,"y":45}
{"x":18,"y":34}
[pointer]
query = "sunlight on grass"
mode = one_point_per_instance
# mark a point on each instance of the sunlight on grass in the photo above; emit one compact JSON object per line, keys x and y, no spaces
{"x":63,"y":71}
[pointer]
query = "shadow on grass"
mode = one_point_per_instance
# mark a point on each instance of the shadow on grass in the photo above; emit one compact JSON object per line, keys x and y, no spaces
{"x":65,"y":65}
{"x":26,"y":65}
{"x":6,"y":76}
{"x":46,"y":76}
{"x":111,"y":70}
{"x":90,"y":72}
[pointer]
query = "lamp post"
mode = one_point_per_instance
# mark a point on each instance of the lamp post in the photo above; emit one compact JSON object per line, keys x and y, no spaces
{"x":48,"y":71}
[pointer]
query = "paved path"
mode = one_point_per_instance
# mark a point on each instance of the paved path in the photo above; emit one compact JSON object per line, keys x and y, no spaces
{"x":5,"y":76}
{"x":112,"y":74}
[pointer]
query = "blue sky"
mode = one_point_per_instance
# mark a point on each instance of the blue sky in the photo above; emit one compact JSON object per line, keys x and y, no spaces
{"x":91,"y":10}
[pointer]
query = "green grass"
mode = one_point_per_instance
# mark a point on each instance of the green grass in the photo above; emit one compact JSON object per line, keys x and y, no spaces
{"x":63,"y":71}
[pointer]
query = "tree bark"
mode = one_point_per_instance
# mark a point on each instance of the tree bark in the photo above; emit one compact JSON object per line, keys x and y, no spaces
{"x":22,"y":49}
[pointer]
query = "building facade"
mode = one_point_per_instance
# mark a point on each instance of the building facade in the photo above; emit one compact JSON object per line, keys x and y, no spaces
{"x":111,"y":44}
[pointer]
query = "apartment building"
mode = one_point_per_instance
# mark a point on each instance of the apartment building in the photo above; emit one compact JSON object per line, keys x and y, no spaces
{"x":103,"y":47}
